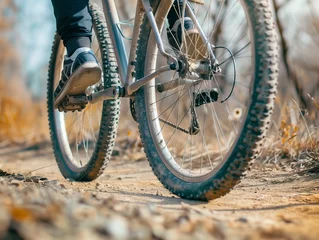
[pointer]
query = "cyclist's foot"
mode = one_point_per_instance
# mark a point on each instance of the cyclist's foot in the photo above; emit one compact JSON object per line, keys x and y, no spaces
{"x":193,"y":45}
{"x":80,"y":71}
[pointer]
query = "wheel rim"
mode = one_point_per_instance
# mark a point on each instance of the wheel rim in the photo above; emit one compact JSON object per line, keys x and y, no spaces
{"x":77,"y":132}
{"x":195,"y":158}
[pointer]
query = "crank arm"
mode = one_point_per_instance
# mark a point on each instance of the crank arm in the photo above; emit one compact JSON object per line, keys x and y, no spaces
{"x":133,"y":87}
{"x":116,"y":92}
{"x":107,"y":94}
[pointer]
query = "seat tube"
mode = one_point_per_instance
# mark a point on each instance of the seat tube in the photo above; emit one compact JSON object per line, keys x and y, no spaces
{"x":112,"y":18}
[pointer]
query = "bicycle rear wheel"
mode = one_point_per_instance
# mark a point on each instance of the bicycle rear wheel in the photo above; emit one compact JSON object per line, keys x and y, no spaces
{"x":198,"y":143}
{"x":83,"y":141}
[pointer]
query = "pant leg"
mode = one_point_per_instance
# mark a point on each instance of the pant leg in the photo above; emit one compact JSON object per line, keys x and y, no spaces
{"x":175,"y":12}
{"x":74,"y":23}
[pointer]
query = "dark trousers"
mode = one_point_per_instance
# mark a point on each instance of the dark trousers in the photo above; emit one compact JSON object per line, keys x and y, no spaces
{"x":74,"y":22}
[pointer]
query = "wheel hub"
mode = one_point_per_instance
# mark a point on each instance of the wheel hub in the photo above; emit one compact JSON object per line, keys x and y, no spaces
{"x":203,"y":68}
{"x":183,"y":66}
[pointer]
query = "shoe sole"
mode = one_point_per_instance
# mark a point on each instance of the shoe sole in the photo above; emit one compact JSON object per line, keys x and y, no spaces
{"x":86,"y":75}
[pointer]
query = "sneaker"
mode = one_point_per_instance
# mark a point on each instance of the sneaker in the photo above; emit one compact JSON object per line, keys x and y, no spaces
{"x":194,"y":46}
{"x":80,"y":71}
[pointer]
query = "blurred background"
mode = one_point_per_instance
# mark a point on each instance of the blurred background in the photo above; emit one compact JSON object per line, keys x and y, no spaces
{"x":26,"y":35}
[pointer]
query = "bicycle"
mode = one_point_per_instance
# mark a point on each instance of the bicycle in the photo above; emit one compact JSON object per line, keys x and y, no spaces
{"x":202,"y":120}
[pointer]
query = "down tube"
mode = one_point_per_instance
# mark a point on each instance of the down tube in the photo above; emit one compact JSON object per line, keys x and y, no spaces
{"x":111,"y":17}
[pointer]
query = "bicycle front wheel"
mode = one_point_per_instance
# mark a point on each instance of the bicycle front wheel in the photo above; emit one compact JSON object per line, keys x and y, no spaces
{"x":200,"y":130}
{"x":83,"y":141}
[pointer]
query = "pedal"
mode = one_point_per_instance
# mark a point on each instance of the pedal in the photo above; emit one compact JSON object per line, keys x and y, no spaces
{"x":204,"y":97}
{"x":73,"y":103}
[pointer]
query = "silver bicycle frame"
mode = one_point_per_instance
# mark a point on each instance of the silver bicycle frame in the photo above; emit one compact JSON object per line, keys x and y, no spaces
{"x":126,"y":65}
{"x":111,"y":17}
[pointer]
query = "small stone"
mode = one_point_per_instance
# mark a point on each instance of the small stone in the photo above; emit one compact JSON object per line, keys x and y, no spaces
{"x":117,"y":227}
{"x":15,"y":183}
{"x":152,"y":208}
{"x":19,"y":177}
{"x":115,"y":152}
{"x":2,"y":173}
{"x":158,"y":231}
{"x":242,"y":219}
{"x":28,"y":179}
{"x":37,"y":179}
{"x":106,"y":177}
{"x":43,"y":179}
{"x":52,"y":182}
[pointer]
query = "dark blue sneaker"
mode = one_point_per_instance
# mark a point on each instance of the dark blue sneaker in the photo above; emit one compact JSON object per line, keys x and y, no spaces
{"x":80,"y":71}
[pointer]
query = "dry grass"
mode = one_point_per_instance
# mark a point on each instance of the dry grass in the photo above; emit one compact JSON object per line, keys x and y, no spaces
{"x":296,"y":139}
{"x":23,"y":121}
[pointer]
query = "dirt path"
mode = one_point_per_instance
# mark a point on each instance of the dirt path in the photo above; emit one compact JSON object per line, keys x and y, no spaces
{"x":268,"y":204}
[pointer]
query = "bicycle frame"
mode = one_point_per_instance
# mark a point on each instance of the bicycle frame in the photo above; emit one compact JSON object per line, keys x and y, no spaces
{"x":126,"y":64}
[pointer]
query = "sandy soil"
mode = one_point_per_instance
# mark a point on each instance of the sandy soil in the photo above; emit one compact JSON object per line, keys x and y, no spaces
{"x":269,"y":203}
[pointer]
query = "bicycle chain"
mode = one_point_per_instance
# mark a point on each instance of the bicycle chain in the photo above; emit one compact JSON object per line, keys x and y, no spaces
{"x":174,"y":126}
{"x":133,"y":112}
